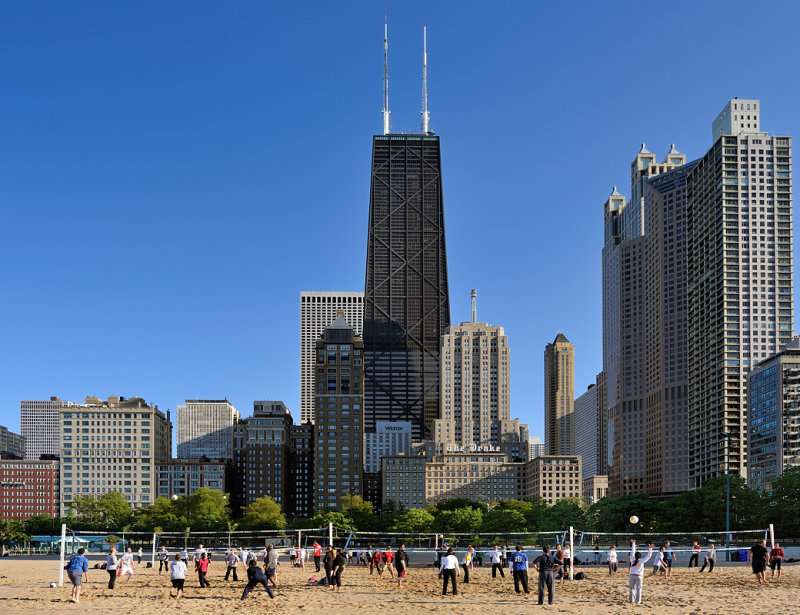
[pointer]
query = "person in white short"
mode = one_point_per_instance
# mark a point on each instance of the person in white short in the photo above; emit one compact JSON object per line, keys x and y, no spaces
{"x":126,"y":571}
{"x":637,"y":572}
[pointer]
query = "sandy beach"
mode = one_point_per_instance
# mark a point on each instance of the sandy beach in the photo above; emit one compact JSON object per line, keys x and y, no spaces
{"x":24,"y":588}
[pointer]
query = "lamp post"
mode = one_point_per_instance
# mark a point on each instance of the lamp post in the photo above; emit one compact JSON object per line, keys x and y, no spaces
{"x":727,"y":437}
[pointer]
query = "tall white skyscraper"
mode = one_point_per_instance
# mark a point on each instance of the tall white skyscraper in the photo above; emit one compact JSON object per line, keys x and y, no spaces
{"x":740,"y":270}
{"x":389,"y":438}
{"x":475,"y":393}
{"x":205,"y":428}
{"x":317,"y":311}
{"x":38,"y":421}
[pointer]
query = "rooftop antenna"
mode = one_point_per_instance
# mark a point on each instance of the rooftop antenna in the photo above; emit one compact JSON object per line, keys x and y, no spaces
{"x":386,"y":123}
{"x":425,"y":115}
{"x":474,"y":305}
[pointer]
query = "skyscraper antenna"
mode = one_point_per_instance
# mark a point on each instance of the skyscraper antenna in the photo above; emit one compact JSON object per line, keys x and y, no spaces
{"x":474,"y":305}
{"x":425,"y":115}
{"x":386,"y":123}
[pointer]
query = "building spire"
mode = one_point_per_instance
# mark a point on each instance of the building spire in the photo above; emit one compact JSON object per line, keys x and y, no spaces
{"x":425,"y":114}
{"x":474,"y":305}
{"x":386,"y":123}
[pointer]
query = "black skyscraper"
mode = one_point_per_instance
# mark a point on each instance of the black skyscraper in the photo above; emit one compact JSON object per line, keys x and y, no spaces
{"x":406,"y":304}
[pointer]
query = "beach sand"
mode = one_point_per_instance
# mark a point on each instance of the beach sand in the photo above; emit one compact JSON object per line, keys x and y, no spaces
{"x":24,"y":588}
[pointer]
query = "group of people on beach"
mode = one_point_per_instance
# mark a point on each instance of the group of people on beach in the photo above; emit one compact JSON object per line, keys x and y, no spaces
{"x":551,"y":566}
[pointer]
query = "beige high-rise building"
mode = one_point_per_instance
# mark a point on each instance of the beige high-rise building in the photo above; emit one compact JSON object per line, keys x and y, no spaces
{"x":113,"y":445}
{"x":553,"y":477}
{"x":475,"y":399}
{"x":559,"y":396}
{"x":205,"y":428}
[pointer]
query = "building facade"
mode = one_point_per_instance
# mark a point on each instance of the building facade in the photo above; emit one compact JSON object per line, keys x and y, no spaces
{"x":28,"y":488}
{"x":339,"y":426}
{"x":535,"y":447}
{"x":403,"y":480}
{"x":773,"y":417}
{"x":625,"y":287}
{"x":301,"y":495}
{"x":112,"y":445}
{"x":39,"y":426}
{"x":182,"y":477}
{"x":406,"y":299}
{"x":261,"y":454}
{"x":317,"y":311}
{"x":11,"y":444}
{"x":740,"y":274}
{"x":586,"y":434}
{"x":389,"y":438}
{"x":559,"y":396}
{"x":205,"y":429}
{"x":595,"y":488}
{"x":553,"y":477}
{"x":475,"y":394}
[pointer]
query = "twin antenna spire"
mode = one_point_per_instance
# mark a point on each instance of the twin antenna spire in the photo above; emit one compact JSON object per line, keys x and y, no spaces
{"x":387,"y":125}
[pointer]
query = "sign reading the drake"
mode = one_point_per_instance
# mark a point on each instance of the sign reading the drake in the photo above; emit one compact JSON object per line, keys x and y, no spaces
{"x":473,"y":448}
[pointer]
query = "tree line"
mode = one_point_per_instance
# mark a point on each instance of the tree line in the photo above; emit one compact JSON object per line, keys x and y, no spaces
{"x":207,"y":510}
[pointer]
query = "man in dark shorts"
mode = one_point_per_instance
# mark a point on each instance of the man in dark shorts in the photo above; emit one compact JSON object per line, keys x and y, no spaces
{"x":757,"y":556}
{"x":401,"y":564}
{"x":519,"y":570}
{"x":255,"y":577}
{"x":775,"y":559}
{"x":545,"y":564}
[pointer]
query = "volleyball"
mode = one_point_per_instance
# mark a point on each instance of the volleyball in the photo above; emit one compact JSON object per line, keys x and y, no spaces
{"x":634,"y":519}
{"x":52,"y":585}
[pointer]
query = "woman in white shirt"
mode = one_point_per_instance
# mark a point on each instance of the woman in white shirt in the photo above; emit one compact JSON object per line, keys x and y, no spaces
{"x":637,"y":572}
{"x":111,"y":567}
{"x":177,"y":574}
{"x":448,"y":571}
{"x":567,"y":563}
{"x":612,"y":560}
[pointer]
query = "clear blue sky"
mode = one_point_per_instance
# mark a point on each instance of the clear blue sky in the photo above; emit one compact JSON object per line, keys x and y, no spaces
{"x":173,"y":174}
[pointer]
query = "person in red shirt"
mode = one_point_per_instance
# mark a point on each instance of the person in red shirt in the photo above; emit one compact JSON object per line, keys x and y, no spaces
{"x":317,"y":554}
{"x":202,"y":568}
{"x":388,"y":557}
{"x":775,"y":559}
{"x":375,"y":562}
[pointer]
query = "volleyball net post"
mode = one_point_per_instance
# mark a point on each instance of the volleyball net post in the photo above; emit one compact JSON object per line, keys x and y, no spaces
{"x":63,"y":551}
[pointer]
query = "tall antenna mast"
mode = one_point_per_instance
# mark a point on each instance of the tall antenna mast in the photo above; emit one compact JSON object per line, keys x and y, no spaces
{"x":425,"y":115}
{"x":386,"y":123}
{"x":474,"y":305}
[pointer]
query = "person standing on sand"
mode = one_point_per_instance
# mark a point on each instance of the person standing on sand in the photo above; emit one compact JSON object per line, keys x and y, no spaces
{"x":545,"y":564}
{"x":567,"y":559}
{"x":711,"y":558}
{"x":466,"y":562}
{"x":271,"y":565}
{"x":376,"y":561}
{"x":669,"y":558}
{"x":201,"y":566}
{"x":388,"y":557}
{"x":448,"y":571}
{"x":232,"y":562}
{"x":111,"y":567}
{"x":317,"y":554}
{"x":127,"y":565}
{"x":77,"y":569}
{"x":497,"y":562}
{"x":636,"y":573}
{"x":339,"y":562}
{"x":401,"y":563}
{"x":256,"y":577}
{"x":693,"y":559}
{"x":327,"y":563}
{"x":757,"y":557}
{"x":177,"y":575}
{"x":775,"y":558}
{"x":519,"y":569}
{"x":163,"y":559}
{"x":139,"y":556}
{"x":612,"y":560}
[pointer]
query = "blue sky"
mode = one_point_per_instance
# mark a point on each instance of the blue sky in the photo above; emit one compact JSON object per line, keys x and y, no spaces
{"x":175,"y":173}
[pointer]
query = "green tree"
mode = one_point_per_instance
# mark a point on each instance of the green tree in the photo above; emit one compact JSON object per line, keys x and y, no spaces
{"x":360,"y":512}
{"x":785,"y":499}
{"x":339,"y":519}
{"x":208,"y":510}
{"x":40,"y":525}
{"x":112,"y":540}
{"x":565,"y":513}
{"x":263,"y":513}
{"x":504,"y":520}
{"x":12,"y":530}
{"x":536,"y":517}
{"x":163,"y":513}
{"x":457,"y":503}
{"x":705,"y":507}
{"x":613,"y":514}
{"x":461,"y":520}
{"x":413,"y":520}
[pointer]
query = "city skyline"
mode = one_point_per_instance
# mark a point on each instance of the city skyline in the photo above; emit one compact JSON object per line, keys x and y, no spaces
{"x":70,"y":192}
